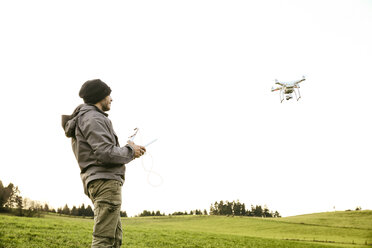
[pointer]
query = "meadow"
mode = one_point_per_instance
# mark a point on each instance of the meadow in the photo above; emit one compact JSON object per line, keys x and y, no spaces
{"x":331,"y":229}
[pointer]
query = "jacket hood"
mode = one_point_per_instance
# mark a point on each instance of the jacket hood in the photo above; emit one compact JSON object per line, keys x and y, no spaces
{"x":69,"y":122}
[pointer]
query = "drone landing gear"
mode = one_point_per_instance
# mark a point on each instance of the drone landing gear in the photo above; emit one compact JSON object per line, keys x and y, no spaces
{"x":281,"y":95}
{"x":298,"y":94}
{"x":289,"y":96}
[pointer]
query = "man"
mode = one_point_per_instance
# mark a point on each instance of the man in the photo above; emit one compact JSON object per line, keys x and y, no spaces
{"x":101,"y":160}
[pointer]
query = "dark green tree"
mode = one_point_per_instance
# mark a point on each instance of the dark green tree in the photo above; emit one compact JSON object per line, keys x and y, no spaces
{"x":276,"y":214}
{"x":237,"y":208}
{"x":4,"y":194}
{"x":229,"y":208}
{"x":74,"y":211}
{"x":19,"y":202}
{"x":66,"y":210}
{"x":145,"y":213}
{"x":257,"y":211}
{"x":82,"y":210}
{"x":46,"y":207}
{"x":266,"y":212}
{"x":213,"y":210}
{"x":243,"y":210}
{"x":8,"y":196}
{"x":89,"y":211}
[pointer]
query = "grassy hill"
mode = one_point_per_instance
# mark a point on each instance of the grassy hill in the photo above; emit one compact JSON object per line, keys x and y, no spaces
{"x":333,"y":229}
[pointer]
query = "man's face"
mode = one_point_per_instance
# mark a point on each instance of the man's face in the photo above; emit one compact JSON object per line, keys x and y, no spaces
{"x":106,"y":103}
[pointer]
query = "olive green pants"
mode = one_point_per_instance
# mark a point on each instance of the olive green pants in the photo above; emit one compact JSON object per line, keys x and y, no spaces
{"x":106,"y":197}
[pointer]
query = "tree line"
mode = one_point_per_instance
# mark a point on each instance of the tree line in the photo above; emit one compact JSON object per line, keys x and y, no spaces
{"x":157,"y":213}
{"x":236,"y":208}
{"x":76,"y":211}
{"x":82,"y":211}
{"x":12,"y":202}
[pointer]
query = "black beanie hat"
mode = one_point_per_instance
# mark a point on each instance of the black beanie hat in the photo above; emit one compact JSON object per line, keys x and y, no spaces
{"x":93,"y":91}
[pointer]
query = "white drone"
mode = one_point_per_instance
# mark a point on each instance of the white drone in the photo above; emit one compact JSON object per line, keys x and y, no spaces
{"x":287,"y":88}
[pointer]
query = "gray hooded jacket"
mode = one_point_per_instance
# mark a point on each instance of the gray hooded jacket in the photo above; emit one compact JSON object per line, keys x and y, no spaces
{"x":95,"y":145}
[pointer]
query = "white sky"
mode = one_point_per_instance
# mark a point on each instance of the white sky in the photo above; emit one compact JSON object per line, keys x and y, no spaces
{"x":197,"y":75}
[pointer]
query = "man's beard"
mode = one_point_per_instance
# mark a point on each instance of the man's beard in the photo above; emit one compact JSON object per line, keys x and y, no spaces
{"x":106,"y":106}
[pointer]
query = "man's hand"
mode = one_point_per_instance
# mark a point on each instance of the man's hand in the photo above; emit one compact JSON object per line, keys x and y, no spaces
{"x":138,"y":150}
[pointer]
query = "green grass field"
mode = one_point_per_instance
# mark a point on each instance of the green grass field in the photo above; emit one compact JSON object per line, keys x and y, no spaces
{"x":333,"y":229}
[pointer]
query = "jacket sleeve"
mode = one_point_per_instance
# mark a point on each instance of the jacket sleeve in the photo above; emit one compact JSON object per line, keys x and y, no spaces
{"x":98,"y":136}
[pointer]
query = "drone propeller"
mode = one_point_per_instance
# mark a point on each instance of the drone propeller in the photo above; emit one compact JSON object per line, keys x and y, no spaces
{"x":301,"y":80}
{"x":275,"y":89}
